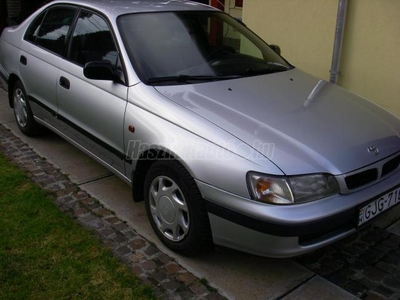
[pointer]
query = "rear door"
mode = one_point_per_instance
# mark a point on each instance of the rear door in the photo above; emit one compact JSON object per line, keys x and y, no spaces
{"x":91,"y":112}
{"x":41,"y":57}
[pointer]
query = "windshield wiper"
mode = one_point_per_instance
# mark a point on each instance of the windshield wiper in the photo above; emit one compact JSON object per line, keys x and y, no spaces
{"x":276,"y":64}
{"x":253,"y":72}
{"x":273,"y":67}
{"x":187,"y":78}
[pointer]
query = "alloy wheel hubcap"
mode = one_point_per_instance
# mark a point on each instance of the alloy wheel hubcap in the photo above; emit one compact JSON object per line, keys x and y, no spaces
{"x":169,"y":208}
{"x":20,"y":107}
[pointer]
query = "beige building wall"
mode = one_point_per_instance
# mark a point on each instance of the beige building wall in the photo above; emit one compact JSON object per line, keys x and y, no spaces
{"x":305,"y":30}
{"x":231,"y":9}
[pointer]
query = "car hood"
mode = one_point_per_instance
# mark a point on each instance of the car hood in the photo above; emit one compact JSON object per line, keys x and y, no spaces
{"x":302,"y":124}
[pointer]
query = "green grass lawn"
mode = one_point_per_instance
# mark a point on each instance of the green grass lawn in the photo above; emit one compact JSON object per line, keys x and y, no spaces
{"x":44,"y":254}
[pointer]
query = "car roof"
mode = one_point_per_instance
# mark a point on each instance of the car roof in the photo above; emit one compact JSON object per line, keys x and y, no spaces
{"x":115,"y":8}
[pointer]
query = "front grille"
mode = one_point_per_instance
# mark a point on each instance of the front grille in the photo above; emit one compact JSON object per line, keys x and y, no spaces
{"x":369,"y":175}
{"x":391,"y":165}
{"x":360,"y":179}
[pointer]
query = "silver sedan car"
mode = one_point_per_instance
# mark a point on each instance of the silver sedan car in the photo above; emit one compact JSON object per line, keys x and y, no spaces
{"x":225,"y":141}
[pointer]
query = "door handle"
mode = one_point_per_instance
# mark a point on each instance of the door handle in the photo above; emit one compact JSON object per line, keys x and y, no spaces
{"x":64,"y":82}
{"x":23,"y":60}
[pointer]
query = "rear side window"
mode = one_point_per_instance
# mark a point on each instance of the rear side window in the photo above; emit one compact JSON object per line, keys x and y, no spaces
{"x":33,"y":29}
{"x":92,"y":40}
{"x":53,"y":32}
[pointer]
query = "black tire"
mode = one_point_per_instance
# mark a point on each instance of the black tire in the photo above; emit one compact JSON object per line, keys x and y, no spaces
{"x":23,"y":113}
{"x":182,"y":203}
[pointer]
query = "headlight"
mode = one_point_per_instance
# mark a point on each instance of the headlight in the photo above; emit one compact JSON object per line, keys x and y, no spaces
{"x":291,"y":190}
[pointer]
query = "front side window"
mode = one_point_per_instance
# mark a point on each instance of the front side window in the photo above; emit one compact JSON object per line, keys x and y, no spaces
{"x":92,"y":40}
{"x":195,"y":47}
{"x":54,"y":29}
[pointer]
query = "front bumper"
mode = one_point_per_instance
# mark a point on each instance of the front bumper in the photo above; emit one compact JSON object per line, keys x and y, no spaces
{"x":284,"y":231}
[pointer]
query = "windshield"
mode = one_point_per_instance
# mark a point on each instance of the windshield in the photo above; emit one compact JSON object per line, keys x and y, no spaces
{"x":191,"y":47}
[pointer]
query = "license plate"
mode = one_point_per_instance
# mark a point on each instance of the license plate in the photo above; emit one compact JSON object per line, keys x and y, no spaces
{"x":378,"y":206}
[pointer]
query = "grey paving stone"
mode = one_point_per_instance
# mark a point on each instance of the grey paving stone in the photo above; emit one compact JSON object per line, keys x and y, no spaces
{"x":316,"y":287}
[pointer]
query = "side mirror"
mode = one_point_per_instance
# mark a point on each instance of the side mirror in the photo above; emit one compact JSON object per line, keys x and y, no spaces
{"x":276,"y":48}
{"x":101,"y":70}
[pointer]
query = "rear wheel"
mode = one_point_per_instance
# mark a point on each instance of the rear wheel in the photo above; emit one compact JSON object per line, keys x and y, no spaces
{"x":22,"y":111}
{"x":176,"y":209}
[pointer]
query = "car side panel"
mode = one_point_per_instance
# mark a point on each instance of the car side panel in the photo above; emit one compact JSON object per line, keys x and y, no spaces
{"x":10,"y":50}
{"x":161,"y":124}
{"x":91,"y":113}
{"x":7,"y":61}
{"x":39,"y":75}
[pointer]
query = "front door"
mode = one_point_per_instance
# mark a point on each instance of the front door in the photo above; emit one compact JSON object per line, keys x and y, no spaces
{"x":91,"y":112}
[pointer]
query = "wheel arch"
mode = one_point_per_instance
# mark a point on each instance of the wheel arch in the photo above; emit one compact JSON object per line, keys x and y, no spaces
{"x":146,"y":159}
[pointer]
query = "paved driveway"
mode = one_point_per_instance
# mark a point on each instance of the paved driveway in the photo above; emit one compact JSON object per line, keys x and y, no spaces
{"x":235,"y":275}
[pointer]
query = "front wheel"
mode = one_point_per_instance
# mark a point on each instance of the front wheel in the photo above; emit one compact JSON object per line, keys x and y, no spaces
{"x":176,"y":209}
{"x":23,"y":113}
